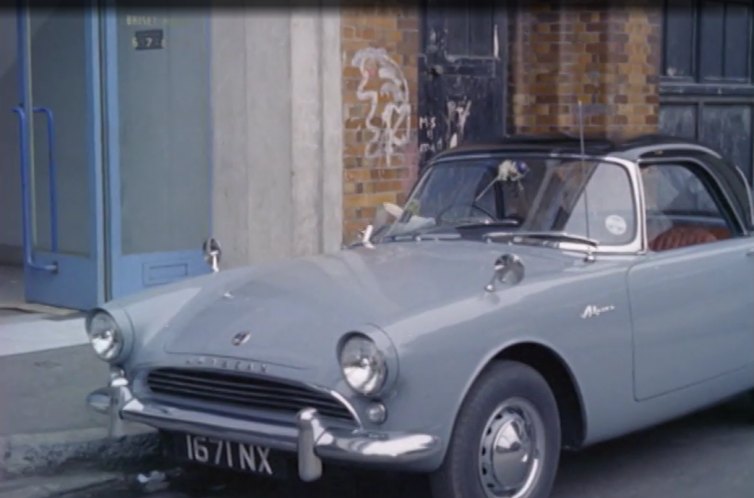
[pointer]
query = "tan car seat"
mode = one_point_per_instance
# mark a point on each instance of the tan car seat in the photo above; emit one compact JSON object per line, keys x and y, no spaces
{"x":681,"y":236}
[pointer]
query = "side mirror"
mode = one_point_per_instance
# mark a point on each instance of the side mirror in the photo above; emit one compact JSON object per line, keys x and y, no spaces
{"x":508,"y":269}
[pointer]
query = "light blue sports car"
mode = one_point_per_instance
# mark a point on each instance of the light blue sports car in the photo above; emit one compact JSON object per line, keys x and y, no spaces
{"x":531,"y":295}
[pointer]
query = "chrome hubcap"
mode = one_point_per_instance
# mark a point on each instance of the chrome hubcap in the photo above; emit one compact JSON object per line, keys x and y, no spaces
{"x":511,"y":450}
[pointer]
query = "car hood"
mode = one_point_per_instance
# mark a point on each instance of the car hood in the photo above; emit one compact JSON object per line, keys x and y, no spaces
{"x":300,"y":308}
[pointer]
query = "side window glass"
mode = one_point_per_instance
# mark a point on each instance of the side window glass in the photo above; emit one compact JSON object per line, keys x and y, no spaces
{"x":604,"y":209}
{"x":681,"y":209}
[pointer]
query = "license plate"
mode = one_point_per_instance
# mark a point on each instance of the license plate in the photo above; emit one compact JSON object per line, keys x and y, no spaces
{"x":229,"y":455}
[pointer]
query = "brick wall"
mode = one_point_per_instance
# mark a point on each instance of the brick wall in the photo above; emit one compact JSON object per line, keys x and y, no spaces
{"x":380,"y":49}
{"x":605,"y":53}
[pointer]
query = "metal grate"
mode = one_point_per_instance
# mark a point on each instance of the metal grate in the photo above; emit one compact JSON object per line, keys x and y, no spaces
{"x":244,"y":391}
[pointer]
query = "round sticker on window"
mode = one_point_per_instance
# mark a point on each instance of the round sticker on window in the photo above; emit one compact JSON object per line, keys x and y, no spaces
{"x":615,"y":224}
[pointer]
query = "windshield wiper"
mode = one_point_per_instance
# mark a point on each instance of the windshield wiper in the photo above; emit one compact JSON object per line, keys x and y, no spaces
{"x":450,"y":231}
{"x":436,"y":236}
{"x":422,"y":236}
{"x":508,"y":223}
{"x":556,"y":236}
{"x":436,"y":233}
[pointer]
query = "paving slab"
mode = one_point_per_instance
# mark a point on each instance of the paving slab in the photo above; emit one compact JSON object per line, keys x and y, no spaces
{"x":53,"y":486}
{"x":22,"y":333}
{"x":45,"y":391}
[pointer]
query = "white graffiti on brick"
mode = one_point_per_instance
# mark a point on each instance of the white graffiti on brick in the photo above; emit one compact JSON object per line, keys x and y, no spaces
{"x":448,"y":133}
{"x":378,"y":70}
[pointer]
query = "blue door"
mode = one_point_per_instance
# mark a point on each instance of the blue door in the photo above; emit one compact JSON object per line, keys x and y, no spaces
{"x":157,"y":88}
{"x":114,"y":120}
{"x":59,"y":124}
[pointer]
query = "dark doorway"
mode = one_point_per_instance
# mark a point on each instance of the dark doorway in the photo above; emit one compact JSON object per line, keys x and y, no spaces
{"x":462,"y":82}
{"x":707,"y":82}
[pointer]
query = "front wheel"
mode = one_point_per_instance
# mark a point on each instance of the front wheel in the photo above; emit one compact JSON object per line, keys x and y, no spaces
{"x":506,"y":440}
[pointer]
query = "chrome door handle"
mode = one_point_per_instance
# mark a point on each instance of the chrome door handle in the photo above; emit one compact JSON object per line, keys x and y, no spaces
{"x":750,"y":252}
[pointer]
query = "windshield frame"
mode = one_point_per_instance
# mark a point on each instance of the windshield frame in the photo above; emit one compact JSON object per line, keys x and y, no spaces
{"x":635,"y":246}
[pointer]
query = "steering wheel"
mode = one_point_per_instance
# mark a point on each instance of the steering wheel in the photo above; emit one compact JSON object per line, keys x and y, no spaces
{"x":473,"y":207}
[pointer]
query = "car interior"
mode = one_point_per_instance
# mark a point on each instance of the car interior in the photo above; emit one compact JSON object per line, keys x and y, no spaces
{"x":683,"y":209}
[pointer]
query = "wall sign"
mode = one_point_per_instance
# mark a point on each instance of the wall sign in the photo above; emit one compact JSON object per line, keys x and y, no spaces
{"x":150,"y":39}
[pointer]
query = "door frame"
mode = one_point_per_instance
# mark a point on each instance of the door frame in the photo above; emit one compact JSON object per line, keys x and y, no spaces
{"x":430,"y":12}
{"x":126,"y":273}
{"x":51,"y":275}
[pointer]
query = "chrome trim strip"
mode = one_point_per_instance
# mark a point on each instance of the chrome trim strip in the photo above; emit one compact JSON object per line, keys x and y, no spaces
{"x":748,"y":194}
{"x":342,"y":399}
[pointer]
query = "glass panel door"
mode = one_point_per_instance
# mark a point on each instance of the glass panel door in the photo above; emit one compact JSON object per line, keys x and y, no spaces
{"x":59,"y":127}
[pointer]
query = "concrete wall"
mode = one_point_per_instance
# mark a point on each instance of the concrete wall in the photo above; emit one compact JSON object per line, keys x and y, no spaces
{"x":278,"y":132}
{"x":277,"y":148}
{"x":10,"y":183}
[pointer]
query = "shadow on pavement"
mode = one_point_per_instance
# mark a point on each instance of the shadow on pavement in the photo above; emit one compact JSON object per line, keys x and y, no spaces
{"x":710,"y":453}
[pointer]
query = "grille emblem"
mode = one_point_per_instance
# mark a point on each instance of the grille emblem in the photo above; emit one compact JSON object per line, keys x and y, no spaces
{"x":240,"y":338}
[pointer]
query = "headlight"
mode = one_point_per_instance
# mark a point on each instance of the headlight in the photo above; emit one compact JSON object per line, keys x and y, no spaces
{"x":363,"y":364}
{"x":105,"y":335}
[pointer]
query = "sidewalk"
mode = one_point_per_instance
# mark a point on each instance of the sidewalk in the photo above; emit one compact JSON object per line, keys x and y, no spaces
{"x":53,"y":486}
{"x":47,"y":369}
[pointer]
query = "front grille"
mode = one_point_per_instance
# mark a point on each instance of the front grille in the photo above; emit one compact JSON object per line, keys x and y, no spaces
{"x":243,"y":391}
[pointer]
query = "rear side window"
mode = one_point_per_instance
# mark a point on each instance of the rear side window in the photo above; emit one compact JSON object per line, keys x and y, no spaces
{"x":677,"y":189}
{"x":682,"y":208}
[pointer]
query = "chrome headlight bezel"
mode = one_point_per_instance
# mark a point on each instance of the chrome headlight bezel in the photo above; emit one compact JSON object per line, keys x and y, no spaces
{"x":103,"y":326}
{"x":381,"y":358}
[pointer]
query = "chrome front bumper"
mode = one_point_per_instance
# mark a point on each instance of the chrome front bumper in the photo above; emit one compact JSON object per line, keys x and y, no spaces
{"x":310,"y":439}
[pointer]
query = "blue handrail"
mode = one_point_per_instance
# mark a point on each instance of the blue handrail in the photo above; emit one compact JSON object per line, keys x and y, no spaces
{"x":52,"y":176}
{"x":25,"y":197}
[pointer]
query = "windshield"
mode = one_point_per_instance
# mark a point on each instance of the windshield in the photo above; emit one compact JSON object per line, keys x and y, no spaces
{"x":540,"y":196}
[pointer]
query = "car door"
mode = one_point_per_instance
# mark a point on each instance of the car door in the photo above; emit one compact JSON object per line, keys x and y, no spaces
{"x":692,"y":294}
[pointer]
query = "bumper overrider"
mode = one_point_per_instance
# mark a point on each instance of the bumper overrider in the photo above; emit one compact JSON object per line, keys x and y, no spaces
{"x":311,"y":439}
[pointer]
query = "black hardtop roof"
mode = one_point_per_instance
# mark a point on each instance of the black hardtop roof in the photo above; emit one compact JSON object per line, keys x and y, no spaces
{"x":645,"y":147}
{"x":632,"y":149}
